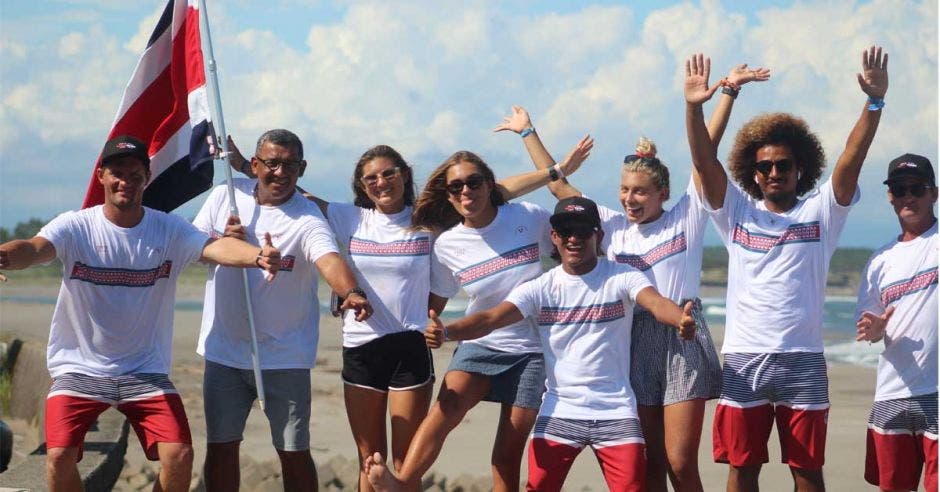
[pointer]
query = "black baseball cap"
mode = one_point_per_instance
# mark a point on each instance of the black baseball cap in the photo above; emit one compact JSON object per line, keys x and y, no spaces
{"x":577,"y":210}
{"x":125,"y":145}
{"x":911,"y":165}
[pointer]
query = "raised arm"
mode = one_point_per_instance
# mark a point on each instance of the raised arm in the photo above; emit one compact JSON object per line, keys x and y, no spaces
{"x":341,"y":279}
{"x":667,"y":312}
{"x":874,"y":82}
{"x":242,"y":165}
{"x":519,"y":122}
{"x":521,"y":184}
{"x":24,"y":253}
{"x":714,"y":181}
{"x":474,"y":326}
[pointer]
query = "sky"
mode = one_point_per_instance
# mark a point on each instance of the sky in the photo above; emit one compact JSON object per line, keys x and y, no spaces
{"x":433,"y":77}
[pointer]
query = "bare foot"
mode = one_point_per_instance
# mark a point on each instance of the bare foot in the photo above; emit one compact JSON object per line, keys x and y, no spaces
{"x":381,"y":478}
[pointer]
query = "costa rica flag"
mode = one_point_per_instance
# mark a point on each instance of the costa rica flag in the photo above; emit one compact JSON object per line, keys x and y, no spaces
{"x":165,"y":105}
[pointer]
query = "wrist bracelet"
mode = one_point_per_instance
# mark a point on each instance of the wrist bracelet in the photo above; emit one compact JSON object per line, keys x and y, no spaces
{"x":875,"y":103}
{"x":258,"y":258}
{"x":553,"y":173}
{"x":526,"y":132}
{"x":731,"y":91}
{"x":561,"y":172}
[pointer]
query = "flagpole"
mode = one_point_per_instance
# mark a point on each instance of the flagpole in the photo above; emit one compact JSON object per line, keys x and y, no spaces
{"x":213,"y":87}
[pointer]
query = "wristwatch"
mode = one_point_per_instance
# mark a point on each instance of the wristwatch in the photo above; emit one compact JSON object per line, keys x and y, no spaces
{"x":357,"y":290}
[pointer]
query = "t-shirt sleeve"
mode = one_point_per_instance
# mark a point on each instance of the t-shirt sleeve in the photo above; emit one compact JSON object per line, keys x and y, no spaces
{"x":525,"y":297}
{"x":443,"y":281}
{"x":724,"y":217}
{"x":59,"y":231}
{"x":869,"y":295}
{"x":342,"y":218}
{"x":188,"y":242}
{"x":318,"y":239}
{"x":632,"y":281}
{"x":207,"y":217}
{"x":539,"y":217}
{"x":694,"y":210}
{"x":834,"y":215}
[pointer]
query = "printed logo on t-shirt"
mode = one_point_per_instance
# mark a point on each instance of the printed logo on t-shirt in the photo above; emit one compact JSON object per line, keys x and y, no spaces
{"x":123,"y":277}
{"x":597,"y":313}
{"x":920,"y":281}
{"x":659,"y":253}
{"x":510,"y":259}
{"x":420,"y":246}
{"x":287,"y":263}
{"x":808,"y":232}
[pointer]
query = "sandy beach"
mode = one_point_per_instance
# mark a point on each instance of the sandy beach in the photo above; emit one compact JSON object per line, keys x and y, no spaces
{"x":468,"y":448}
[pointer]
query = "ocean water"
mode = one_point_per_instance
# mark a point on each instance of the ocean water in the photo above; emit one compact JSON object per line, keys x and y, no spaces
{"x":838,"y":323}
{"x":838,"y":330}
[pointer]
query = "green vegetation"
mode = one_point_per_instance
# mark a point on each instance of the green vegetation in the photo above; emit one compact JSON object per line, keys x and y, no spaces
{"x":845,"y":268}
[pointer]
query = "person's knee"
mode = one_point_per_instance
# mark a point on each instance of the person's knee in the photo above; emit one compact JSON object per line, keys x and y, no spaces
{"x":176,"y":456}
{"x":60,"y":459}
{"x":295,"y":459}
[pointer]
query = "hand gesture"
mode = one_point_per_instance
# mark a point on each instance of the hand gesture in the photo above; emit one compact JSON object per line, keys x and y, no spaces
{"x":741,"y":75}
{"x":234,"y":228}
{"x":872,"y":327}
{"x":697,"y":70}
{"x":434,"y":333}
{"x":687,"y":323}
{"x":237,"y":160}
{"x":360,"y":305}
{"x":516,"y":122}
{"x":874,"y":76}
{"x":269,"y":259}
{"x":578,"y":154}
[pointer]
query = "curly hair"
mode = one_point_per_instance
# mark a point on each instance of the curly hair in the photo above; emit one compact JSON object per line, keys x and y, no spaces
{"x":776,"y":129}
{"x":433,"y":211}
{"x":645,"y":160}
{"x":362,"y":199}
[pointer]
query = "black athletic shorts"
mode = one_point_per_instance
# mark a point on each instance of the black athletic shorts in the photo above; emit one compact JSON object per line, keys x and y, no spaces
{"x":396,"y":362}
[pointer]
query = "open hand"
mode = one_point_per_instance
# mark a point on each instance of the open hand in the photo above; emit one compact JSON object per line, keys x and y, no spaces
{"x":871,"y":327}
{"x":687,"y":323}
{"x":360,"y":305}
{"x":697,"y":70}
{"x":741,"y":75}
{"x":517,"y":121}
{"x":578,"y":155}
{"x":874,"y":76}
{"x":434,"y":333}
{"x":269,"y":259}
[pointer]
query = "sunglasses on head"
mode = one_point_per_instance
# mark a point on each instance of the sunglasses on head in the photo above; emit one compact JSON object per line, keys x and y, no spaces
{"x":783,"y":166}
{"x":473,"y":182}
{"x":900,"y":191}
{"x":388,"y":175}
{"x":578,"y":231}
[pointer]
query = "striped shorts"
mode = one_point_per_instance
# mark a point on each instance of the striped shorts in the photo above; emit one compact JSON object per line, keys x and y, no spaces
{"x":618,"y":445}
{"x":664,"y":369}
{"x":757,"y":389}
{"x":150,"y":402}
{"x":901,"y":442}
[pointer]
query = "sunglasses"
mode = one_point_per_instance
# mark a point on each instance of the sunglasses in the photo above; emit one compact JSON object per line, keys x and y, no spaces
{"x":783,"y":166}
{"x":473,"y":182}
{"x":274,"y":164}
{"x":900,"y":191}
{"x":633,"y":158}
{"x":388,"y":175}
{"x":578,"y":231}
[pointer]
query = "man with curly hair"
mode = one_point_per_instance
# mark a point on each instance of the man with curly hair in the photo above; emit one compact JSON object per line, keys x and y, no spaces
{"x":779,"y":245}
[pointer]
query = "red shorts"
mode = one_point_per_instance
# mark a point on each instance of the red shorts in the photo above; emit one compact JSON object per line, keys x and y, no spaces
{"x":902,"y":440}
{"x":149,"y":401}
{"x":617,"y":444}
{"x":758,"y":389}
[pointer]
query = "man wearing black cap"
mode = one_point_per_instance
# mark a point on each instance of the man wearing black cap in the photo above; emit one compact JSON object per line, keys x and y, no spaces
{"x":111,"y":333}
{"x":583,"y":309}
{"x":897,"y":302}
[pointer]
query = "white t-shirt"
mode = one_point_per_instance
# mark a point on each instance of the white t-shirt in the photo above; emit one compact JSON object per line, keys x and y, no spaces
{"x":286,"y":311}
{"x":777,"y":267}
{"x":668,"y":250}
{"x":904,"y":275}
{"x":584,"y":323}
{"x":391,"y":263}
{"x":488,"y":262}
{"x":114,"y":315}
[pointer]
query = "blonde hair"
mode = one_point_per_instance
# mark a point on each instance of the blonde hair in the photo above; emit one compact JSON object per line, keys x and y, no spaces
{"x":645,"y":160}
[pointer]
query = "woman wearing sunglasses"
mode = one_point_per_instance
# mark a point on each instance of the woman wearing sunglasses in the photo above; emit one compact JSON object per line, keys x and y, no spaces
{"x":672,"y":378}
{"x":486,"y":247}
{"x":387,"y":366}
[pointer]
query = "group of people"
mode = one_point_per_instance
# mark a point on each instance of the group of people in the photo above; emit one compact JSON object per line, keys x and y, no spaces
{"x":609,"y":349}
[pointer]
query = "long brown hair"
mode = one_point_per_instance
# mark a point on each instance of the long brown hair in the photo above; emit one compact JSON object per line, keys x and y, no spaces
{"x":362,"y":199}
{"x":433,"y":211}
